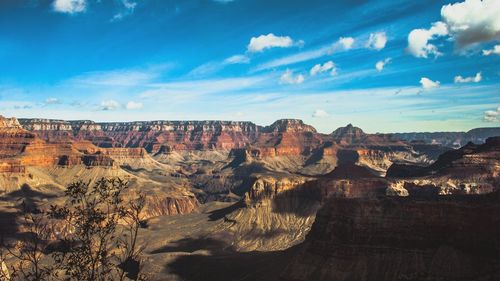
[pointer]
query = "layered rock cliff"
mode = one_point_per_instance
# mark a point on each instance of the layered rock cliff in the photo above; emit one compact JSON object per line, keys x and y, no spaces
{"x":402,"y":239}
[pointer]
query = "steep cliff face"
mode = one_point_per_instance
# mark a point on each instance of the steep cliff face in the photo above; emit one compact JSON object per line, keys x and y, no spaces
{"x":402,"y":239}
{"x":154,"y":136}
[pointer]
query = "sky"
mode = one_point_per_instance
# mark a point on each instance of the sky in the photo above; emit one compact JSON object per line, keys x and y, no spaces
{"x":384,"y":66}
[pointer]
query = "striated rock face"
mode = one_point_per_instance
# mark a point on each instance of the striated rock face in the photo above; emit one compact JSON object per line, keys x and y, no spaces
{"x":165,"y":205}
{"x":402,"y":239}
{"x":286,"y":137}
{"x":154,"y":136}
{"x":165,"y":136}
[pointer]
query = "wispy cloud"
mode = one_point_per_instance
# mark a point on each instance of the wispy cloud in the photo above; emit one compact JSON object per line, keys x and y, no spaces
{"x":108,"y":105}
{"x":290,"y":78}
{"x":295,"y":58}
{"x":494,"y":51}
{"x":128,"y":7}
{"x":131,"y":105}
{"x":216,"y":66}
{"x":189,"y":88}
{"x":124,"y":78}
{"x":492,"y":115}
{"x":381,"y":64}
{"x":328,"y":66}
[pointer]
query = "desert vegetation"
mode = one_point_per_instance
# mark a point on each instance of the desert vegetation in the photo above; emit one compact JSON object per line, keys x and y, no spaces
{"x":91,"y":236}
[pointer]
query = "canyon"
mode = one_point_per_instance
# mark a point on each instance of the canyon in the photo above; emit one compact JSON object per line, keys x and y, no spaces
{"x":277,"y":202}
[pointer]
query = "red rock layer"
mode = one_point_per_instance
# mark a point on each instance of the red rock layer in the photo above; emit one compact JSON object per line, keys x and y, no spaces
{"x":20,"y":149}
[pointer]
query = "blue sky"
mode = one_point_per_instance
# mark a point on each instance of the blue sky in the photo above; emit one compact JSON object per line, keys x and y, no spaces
{"x":385,"y":66}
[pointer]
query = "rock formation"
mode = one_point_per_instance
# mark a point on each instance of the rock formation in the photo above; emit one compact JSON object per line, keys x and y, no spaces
{"x":401,"y":239}
{"x":471,"y":169}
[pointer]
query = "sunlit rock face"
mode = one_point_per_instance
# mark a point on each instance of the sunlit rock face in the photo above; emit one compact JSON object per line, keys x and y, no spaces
{"x":283,"y":138}
{"x":401,"y":239}
{"x":154,"y":136}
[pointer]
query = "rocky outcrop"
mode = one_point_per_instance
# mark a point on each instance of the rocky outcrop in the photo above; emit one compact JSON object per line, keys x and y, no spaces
{"x":266,"y":188}
{"x":348,"y":134}
{"x":289,"y":126}
{"x":453,"y":238}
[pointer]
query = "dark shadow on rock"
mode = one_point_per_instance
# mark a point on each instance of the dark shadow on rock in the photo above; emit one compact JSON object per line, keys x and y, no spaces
{"x":222,"y":213}
{"x":26,"y":192}
{"x":302,"y":201}
{"x":346,"y":157}
{"x":315,"y":157}
{"x":351,"y":172}
{"x":190,"y":245}
{"x":8,"y":224}
{"x":230,"y":265}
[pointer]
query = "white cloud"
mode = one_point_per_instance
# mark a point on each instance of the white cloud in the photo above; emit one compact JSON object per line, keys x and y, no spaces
{"x":327,"y":66}
{"x":377,"y":41}
{"x":117,"y":78}
{"x":428,"y":83}
{"x":418,"y":40}
{"x":69,"y":6}
{"x":259,"y":44}
{"x":52,"y":101}
{"x":134,"y":105}
{"x":296,"y":58}
{"x":494,"y":51}
{"x":289,"y":78}
{"x":194,"y":88}
{"x":237,"y":59}
{"x":346,"y":42}
{"x":108,"y":105}
{"x":475,"y":79}
{"x":492,"y":115}
{"x":380,"y":64}
{"x":472,"y":21}
{"x":320,"y":113}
